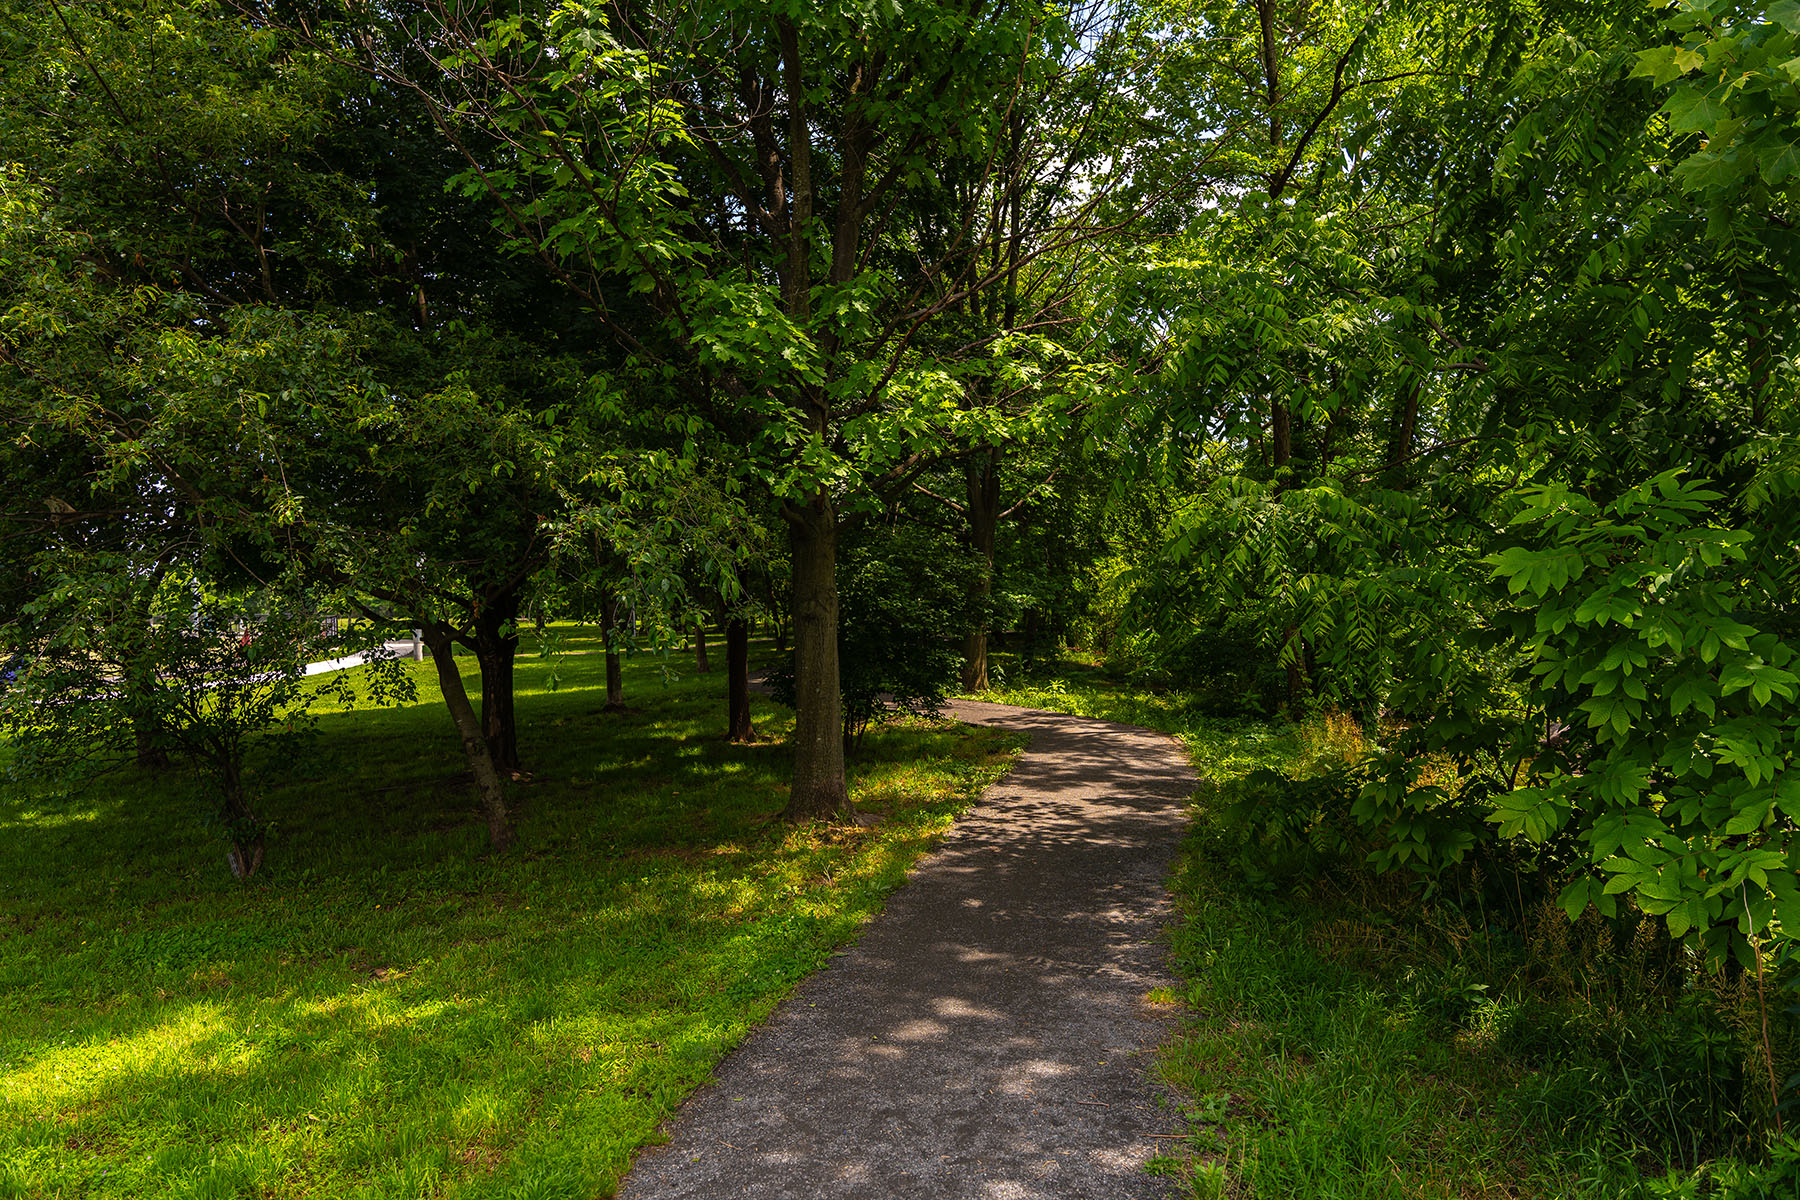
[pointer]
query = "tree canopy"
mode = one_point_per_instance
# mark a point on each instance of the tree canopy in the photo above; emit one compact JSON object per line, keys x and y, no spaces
{"x":1434,"y":366}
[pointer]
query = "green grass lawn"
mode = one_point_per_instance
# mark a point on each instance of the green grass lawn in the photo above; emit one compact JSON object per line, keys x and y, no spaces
{"x":388,"y":1010}
{"x":1351,"y":1037}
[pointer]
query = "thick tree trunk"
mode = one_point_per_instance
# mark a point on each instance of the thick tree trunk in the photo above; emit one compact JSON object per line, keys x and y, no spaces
{"x":615,"y":681}
{"x":488,"y":787}
{"x":982,"y":480}
{"x":737,"y":681}
{"x":975,"y":660}
{"x":818,"y":790}
{"x":496,"y":646}
{"x":700,"y":663}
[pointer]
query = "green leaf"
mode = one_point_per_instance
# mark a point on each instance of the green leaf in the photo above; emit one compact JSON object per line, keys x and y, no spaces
{"x":1693,"y":111}
{"x":1776,"y":163}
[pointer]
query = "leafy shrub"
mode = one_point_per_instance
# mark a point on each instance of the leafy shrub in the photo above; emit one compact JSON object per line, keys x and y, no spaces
{"x":1290,"y":826}
{"x":905,"y":601}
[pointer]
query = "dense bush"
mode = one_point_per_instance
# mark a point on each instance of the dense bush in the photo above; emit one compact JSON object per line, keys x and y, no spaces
{"x":906,"y":598}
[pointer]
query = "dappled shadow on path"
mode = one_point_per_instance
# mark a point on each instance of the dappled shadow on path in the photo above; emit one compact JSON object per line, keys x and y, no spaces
{"x":986,"y":1036}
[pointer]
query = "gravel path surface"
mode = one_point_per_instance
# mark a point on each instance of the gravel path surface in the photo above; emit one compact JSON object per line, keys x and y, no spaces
{"x":989,"y":1036}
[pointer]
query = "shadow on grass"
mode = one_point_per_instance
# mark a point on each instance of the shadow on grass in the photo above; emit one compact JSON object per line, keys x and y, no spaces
{"x":388,"y":1009}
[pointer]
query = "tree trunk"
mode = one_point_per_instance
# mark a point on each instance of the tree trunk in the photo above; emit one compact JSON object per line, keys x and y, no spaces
{"x":778,"y":616}
{"x":242,"y":829}
{"x":615,"y":674}
{"x":146,"y":730}
{"x":1296,"y":674}
{"x":1406,"y":420}
{"x":495,"y":650}
{"x":737,"y":681}
{"x":1270,"y":46}
{"x":1281,"y":432}
{"x":150,"y":754}
{"x":982,"y":480}
{"x":818,"y":790}
{"x":1760,"y":365}
{"x":488,"y":787}
{"x":700,"y":663}
{"x":140,"y":671}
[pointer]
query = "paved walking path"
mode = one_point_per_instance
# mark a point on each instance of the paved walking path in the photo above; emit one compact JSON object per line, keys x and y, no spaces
{"x":989,"y":1036}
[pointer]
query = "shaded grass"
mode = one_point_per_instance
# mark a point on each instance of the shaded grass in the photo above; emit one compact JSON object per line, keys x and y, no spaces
{"x":389,"y":1010}
{"x":1348,"y":1040}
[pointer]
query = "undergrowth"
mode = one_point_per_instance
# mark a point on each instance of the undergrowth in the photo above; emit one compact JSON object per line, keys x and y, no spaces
{"x":1358,"y":1034}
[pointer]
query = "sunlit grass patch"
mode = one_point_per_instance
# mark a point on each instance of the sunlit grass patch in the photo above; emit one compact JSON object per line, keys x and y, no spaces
{"x":389,"y":1010}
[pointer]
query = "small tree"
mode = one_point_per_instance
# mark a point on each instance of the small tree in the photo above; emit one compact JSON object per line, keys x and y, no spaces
{"x":224,"y":675}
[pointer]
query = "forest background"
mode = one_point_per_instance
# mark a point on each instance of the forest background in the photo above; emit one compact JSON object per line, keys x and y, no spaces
{"x":1425,"y":373}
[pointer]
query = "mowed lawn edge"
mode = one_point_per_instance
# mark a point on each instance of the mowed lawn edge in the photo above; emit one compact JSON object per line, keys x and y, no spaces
{"x":387,"y":1009}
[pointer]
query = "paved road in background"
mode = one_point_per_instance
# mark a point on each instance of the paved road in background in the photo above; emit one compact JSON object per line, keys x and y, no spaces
{"x":404,"y":649}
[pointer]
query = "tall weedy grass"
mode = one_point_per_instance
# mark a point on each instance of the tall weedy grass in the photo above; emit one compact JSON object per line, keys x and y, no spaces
{"x":1358,"y":1034}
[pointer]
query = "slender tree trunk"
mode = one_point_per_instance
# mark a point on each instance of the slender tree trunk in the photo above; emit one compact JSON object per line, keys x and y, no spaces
{"x":700,"y":663}
{"x":818,"y":790}
{"x":1296,"y":674}
{"x":615,"y":674}
{"x":1281,"y":419}
{"x":140,"y":673}
{"x":244,"y":832}
{"x":982,"y":479}
{"x":1406,"y":421}
{"x":1271,"y":65}
{"x":488,"y":787}
{"x":496,"y":646}
{"x":737,"y":681}
{"x":778,"y":615}
{"x":1760,"y":363}
{"x":151,"y":754}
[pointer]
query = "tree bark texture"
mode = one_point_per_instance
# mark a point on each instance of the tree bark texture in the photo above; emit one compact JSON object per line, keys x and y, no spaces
{"x":818,"y":790}
{"x":700,"y":663}
{"x":737,"y":681}
{"x":488,"y":786}
{"x":982,"y":480}
{"x":496,"y":646}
